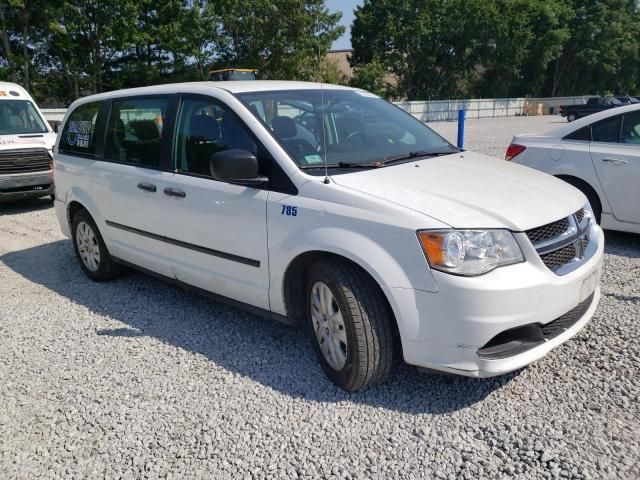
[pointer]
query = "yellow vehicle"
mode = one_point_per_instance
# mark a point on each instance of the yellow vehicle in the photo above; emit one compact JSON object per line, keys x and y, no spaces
{"x":231,"y":73}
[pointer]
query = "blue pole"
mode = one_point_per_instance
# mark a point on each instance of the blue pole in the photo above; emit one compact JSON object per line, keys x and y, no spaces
{"x":461,"y":116}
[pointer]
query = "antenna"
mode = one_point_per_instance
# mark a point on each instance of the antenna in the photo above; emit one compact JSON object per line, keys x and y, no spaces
{"x":324,"y":129}
{"x":324,"y":136}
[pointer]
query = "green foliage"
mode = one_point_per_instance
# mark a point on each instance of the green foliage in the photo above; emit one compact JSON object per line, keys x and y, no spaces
{"x":372,"y":77}
{"x":493,"y":48}
{"x":62,"y":49}
{"x":284,"y":39}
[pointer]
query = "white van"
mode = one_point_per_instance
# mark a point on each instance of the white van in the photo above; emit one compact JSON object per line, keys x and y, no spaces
{"x":26,"y":143}
{"x":328,"y":206}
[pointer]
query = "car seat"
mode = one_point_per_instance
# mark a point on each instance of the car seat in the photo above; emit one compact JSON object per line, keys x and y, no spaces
{"x":286,"y":130}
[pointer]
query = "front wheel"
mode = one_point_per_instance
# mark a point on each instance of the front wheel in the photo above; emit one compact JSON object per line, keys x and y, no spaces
{"x":350,"y":325}
{"x":572,"y":117}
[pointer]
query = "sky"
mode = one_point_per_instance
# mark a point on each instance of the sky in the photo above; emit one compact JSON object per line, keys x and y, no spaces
{"x":346,"y":7}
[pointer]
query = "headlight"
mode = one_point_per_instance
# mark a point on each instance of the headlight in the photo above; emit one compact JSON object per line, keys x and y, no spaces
{"x":469,"y":252}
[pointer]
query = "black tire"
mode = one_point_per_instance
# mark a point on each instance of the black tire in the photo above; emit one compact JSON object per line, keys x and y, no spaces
{"x":590,"y":193}
{"x":107,"y":268}
{"x":52,"y":197}
{"x":572,"y":117}
{"x":367,"y":320}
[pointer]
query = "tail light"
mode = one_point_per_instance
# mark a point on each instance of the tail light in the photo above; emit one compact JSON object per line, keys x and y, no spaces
{"x":514,"y":150}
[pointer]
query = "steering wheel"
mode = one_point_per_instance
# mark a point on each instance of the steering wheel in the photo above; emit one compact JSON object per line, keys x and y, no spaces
{"x":353,"y":135}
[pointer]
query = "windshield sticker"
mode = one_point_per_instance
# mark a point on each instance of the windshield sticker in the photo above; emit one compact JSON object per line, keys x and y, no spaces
{"x":312,"y":159}
{"x":79,"y":133}
{"x":364,"y":93}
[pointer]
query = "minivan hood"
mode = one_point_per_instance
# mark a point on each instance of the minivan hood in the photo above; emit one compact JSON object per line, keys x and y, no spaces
{"x":470,"y":190}
{"x":40,"y":140}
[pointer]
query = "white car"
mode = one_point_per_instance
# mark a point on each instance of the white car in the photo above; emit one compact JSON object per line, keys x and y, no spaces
{"x":328,"y":206}
{"x":598,"y":154}
{"x":26,"y":142}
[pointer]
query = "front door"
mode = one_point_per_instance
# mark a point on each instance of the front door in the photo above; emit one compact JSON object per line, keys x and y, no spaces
{"x":615,"y":151}
{"x":216,"y":231}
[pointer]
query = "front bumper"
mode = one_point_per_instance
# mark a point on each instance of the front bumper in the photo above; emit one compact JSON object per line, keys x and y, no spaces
{"x":445,"y":330}
{"x":18,"y":186}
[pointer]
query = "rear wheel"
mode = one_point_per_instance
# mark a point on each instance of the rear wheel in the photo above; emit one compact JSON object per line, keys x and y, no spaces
{"x":572,"y":117}
{"x":350,"y":325}
{"x":91,"y":250}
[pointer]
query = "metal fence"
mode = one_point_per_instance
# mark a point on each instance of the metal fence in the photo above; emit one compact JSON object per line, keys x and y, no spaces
{"x":54,"y":114}
{"x":447,"y":110}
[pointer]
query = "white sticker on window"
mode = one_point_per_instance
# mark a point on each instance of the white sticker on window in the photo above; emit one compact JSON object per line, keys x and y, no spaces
{"x":313,"y":159}
{"x":79,"y":133}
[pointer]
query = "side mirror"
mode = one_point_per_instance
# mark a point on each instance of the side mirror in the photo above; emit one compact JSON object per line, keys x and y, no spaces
{"x":55,"y":125}
{"x":236,"y":166}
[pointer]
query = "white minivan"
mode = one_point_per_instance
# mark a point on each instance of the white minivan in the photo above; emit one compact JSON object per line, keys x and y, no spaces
{"x":328,"y":206}
{"x":26,"y":143}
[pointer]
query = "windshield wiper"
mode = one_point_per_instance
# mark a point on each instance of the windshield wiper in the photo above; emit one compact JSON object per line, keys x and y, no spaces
{"x":408,"y":156}
{"x":359,"y":165}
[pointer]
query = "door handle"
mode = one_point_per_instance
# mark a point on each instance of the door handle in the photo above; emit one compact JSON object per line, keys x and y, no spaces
{"x":147,"y":187}
{"x":616,"y":161}
{"x":174,"y":192}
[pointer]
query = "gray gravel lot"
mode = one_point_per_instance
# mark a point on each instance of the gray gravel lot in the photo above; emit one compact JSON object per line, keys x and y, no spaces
{"x":136,"y":378}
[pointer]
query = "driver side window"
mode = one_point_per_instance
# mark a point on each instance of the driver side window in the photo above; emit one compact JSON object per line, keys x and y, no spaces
{"x":631,"y":128}
{"x":206,"y":127}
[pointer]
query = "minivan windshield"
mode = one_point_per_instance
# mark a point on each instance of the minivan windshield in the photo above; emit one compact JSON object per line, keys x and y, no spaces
{"x":20,"y":117}
{"x":351,"y":128}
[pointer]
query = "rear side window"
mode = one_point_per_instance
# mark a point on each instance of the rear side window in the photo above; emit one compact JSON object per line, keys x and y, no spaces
{"x":582,"y":134}
{"x":80,"y":131}
{"x":606,"y":131}
{"x":136,"y":130}
{"x":631,"y":128}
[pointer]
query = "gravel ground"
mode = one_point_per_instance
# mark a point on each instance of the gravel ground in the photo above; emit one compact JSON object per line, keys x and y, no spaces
{"x":138,"y":379}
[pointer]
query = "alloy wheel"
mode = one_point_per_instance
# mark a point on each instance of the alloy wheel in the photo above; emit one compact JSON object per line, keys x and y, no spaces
{"x":328,"y":326}
{"x":88,"y":247}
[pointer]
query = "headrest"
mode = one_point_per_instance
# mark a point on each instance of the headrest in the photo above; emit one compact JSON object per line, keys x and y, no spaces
{"x":145,"y":129}
{"x":205,"y":126}
{"x":284,"y":127}
{"x":119,"y":130}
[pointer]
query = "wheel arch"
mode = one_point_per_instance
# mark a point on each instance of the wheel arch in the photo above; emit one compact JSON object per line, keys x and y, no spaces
{"x":77,"y":199}
{"x":586,"y":188}
{"x":295,"y":281}
{"x":73,"y":207}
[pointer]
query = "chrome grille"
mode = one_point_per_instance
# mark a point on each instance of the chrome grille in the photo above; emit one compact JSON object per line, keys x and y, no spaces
{"x":558,"y":258}
{"x":548,"y":231}
{"x":562,"y":242}
{"x":24,"y":160}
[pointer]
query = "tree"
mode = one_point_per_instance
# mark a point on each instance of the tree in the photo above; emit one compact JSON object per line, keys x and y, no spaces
{"x":21,"y":26}
{"x":603,"y":50}
{"x":432,"y":46}
{"x":520,"y":40}
{"x":371,"y":77}
{"x":284,"y":39}
{"x":87,"y":35}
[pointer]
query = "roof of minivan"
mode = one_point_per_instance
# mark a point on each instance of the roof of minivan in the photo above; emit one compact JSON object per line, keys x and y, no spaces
{"x":239,"y":86}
